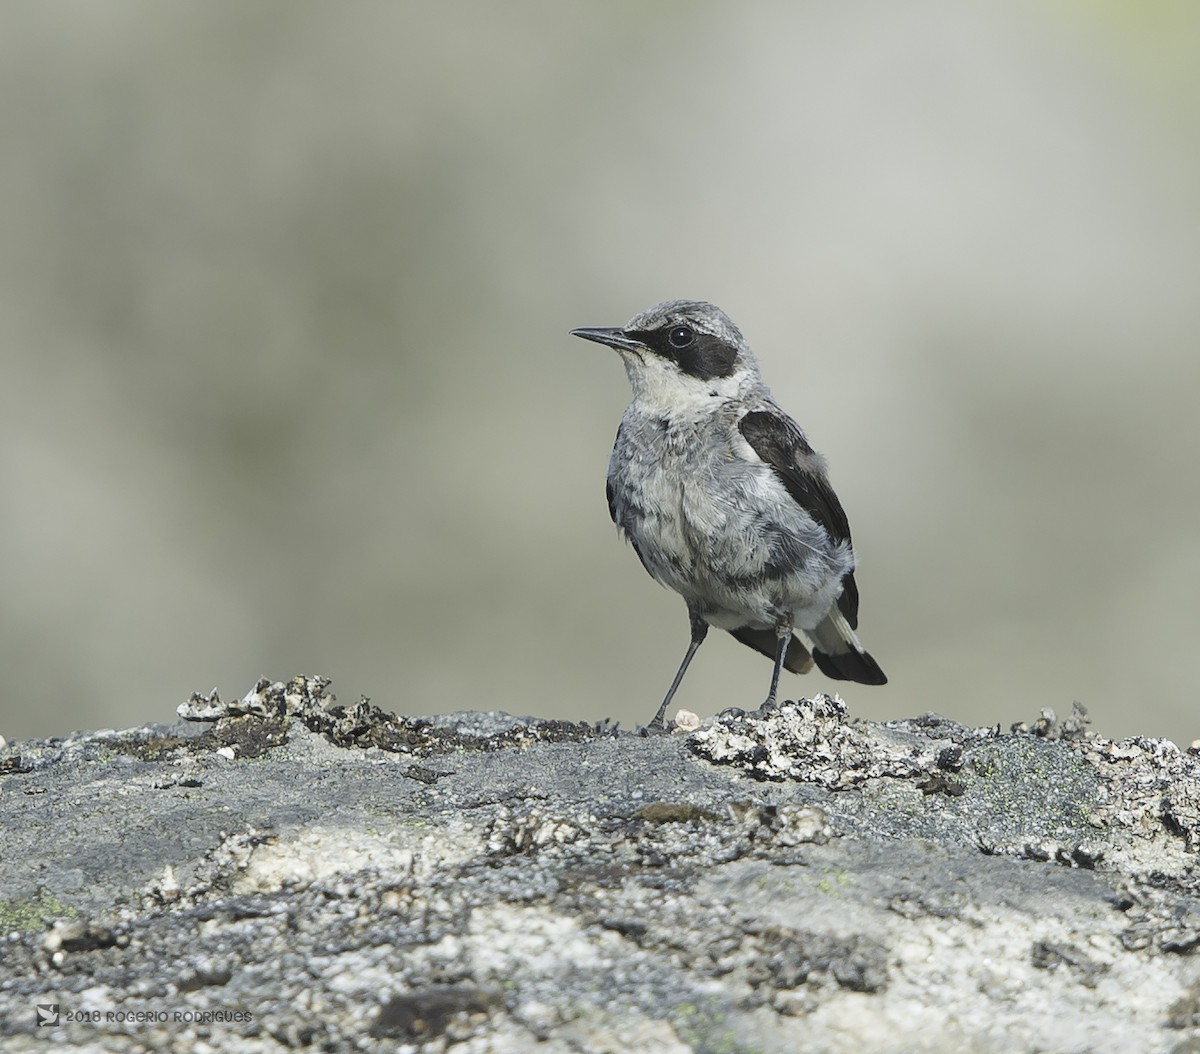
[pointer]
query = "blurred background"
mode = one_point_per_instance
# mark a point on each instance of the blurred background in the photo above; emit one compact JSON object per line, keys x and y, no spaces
{"x":287,"y":386}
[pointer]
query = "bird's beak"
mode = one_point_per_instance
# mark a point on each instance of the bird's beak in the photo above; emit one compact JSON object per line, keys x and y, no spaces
{"x":613,"y":337}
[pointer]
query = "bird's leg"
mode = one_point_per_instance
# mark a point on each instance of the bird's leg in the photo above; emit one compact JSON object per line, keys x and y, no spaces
{"x":783,"y":634}
{"x":699,"y":632}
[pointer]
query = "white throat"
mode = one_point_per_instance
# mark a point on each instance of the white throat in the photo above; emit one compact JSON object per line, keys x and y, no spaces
{"x":659,"y":386}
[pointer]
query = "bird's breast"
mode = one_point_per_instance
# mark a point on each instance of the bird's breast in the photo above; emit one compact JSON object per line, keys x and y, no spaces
{"x":715,"y":526}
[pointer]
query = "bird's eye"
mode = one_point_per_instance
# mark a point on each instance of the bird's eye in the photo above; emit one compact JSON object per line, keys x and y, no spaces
{"x":681,"y":336}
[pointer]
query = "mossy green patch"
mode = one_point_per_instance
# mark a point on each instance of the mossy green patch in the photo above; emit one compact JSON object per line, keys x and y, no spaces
{"x":1037,"y":787}
{"x":33,"y":914}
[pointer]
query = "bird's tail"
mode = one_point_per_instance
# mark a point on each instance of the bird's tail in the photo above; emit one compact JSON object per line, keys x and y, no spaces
{"x":839,"y":655}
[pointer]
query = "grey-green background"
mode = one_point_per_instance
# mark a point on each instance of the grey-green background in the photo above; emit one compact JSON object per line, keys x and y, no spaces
{"x":285,"y":291}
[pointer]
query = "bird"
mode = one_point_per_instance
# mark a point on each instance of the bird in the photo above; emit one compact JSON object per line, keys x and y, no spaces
{"x":724,"y":501}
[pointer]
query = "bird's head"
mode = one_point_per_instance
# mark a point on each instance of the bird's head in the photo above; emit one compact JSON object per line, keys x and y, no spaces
{"x":681,"y":354}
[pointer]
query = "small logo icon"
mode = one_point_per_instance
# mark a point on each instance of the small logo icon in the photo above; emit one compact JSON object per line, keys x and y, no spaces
{"x":47,"y":1014}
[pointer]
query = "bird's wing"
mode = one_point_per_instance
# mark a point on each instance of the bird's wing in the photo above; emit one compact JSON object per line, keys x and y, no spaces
{"x":777,"y":439}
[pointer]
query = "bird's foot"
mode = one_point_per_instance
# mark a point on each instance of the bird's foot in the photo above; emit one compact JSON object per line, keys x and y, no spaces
{"x":657,"y":727}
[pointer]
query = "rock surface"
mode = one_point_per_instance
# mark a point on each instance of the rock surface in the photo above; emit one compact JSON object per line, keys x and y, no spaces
{"x":283,"y":872}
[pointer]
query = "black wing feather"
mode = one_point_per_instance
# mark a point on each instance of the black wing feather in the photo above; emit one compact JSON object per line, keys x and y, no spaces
{"x":777,"y":439}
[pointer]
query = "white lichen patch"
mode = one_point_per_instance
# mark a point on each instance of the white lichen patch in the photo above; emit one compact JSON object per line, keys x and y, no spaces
{"x":325,"y":854}
{"x":812,"y":740}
